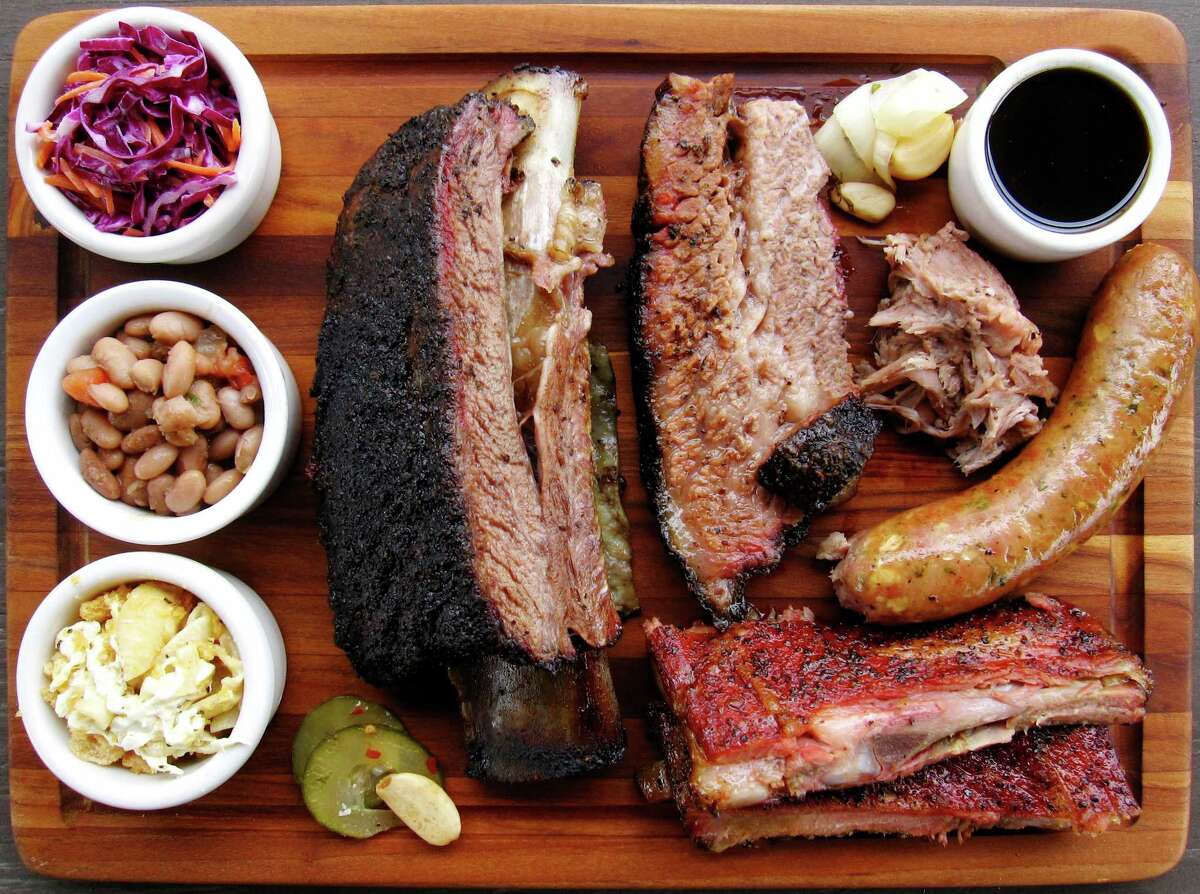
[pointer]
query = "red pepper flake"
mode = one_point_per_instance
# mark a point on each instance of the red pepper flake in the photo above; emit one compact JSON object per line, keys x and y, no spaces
{"x":374,"y":754}
{"x":431,"y":764}
{"x":358,"y":709}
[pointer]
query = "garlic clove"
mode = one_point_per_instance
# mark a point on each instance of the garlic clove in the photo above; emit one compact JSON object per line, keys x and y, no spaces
{"x":925,"y":151}
{"x":866,"y":201}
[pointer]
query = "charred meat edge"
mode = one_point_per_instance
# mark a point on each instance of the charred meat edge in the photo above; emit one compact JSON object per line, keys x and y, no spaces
{"x":412,"y":581}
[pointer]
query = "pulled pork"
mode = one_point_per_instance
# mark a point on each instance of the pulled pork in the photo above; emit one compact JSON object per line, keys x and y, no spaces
{"x":954,"y":357}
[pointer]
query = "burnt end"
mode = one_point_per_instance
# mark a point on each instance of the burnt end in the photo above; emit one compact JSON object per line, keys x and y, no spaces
{"x":390,"y":508}
{"x":820,"y":465}
{"x":527,"y":724}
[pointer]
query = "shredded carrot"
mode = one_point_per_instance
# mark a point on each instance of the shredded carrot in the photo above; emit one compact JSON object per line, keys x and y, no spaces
{"x":209,"y":201}
{"x":156,"y":135}
{"x":84,"y":149}
{"x":132,"y":231}
{"x":69,"y":172}
{"x":60,"y":181}
{"x":44,"y":150}
{"x":79,"y":77}
{"x":231,"y":136}
{"x":142,"y":60}
{"x":75,"y":91}
{"x":109,"y":205}
{"x":202,"y":170}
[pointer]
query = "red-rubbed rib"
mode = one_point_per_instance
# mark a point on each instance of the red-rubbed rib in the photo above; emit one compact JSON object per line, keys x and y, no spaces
{"x":785,"y":706}
{"x":1057,"y":778}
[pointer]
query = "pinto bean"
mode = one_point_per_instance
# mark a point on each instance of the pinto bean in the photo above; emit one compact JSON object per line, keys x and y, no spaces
{"x":137,"y":415}
{"x":250,"y":394}
{"x":112,"y":459}
{"x":203,"y":397}
{"x":212,"y":472}
{"x":141,"y":439}
{"x":133,"y":489}
{"x":172,"y":326}
{"x":236,"y":413}
{"x":156,"y":493}
{"x":155,"y":461}
{"x":247,"y":448}
{"x":138,"y":327}
{"x":97,"y":475}
{"x":185,"y":437}
{"x":176,"y":414}
{"x":194,"y":456}
{"x":147,"y":375}
{"x":109,"y":397}
{"x":139,"y":346}
{"x":82,"y":362}
{"x":78,"y":438}
{"x":180,"y":371}
{"x":222,"y":447}
{"x":220,"y":486}
{"x":100,"y":430}
{"x":187,"y":491}
{"x":115,"y":359}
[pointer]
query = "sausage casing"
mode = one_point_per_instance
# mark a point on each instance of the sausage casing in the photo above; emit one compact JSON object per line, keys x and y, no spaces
{"x":956,"y":554}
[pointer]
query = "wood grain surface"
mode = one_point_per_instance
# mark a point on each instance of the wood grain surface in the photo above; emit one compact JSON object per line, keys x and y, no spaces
{"x":339,"y":80}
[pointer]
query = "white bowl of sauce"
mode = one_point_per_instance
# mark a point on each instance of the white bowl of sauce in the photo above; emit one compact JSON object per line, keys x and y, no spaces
{"x":1065,"y":152}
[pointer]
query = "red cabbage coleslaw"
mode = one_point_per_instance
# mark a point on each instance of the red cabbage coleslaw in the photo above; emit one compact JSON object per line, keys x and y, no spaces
{"x":145,"y":135}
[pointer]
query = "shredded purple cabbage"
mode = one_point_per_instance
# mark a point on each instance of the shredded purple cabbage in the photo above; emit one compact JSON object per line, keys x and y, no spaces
{"x":160,"y":102}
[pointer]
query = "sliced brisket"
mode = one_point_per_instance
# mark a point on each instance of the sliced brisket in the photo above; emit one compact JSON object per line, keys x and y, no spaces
{"x":738,"y":317}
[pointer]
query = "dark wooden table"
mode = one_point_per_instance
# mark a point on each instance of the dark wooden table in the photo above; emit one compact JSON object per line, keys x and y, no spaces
{"x":15,"y":13}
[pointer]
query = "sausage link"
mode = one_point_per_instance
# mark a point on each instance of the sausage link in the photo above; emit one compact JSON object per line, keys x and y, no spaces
{"x":956,"y":554}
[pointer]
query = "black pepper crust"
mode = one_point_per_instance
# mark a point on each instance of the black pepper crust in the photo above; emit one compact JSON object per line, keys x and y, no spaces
{"x":390,"y":509}
{"x":820,"y":465}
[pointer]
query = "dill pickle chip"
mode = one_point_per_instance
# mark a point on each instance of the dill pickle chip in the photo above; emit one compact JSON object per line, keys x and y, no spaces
{"x":336,"y":714}
{"x":340,"y":779}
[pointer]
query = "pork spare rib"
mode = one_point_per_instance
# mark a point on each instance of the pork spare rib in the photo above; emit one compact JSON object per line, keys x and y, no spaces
{"x":1063,"y":778}
{"x":785,"y":706}
{"x":749,"y":419}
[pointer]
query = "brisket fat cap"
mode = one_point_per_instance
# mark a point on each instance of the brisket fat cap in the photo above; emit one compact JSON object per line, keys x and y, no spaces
{"x":738,"y":317}
{"x":428,"y":505}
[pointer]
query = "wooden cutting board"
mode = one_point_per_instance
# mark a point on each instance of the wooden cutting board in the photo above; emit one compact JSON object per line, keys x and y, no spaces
{"x":339,"y":80}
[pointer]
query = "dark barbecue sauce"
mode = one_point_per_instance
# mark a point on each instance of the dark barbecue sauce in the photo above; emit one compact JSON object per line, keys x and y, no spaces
{"x":1068,"y":148}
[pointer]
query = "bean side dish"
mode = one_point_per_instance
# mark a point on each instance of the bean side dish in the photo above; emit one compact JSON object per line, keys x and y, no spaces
{"x":168,"y":413}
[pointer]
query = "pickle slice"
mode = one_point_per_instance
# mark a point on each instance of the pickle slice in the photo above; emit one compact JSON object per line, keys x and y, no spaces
{"x":336,"y":714}
{"x":340,"y":779}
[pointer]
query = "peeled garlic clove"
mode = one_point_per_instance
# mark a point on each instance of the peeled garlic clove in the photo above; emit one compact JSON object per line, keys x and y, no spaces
{"x":925,"y":151}
{"x":835,"y":147}
{"x":422,"y":805}
{"x":854,"y":115}
{"x":885,"y":144}
{"x":864,"y":200}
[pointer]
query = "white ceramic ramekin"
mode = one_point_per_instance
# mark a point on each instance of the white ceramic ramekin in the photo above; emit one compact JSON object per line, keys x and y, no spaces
{"x":259,"y":644}
{"x":47,"y":407}
{"x":237,"y":211}
{"x":982,"y":209}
